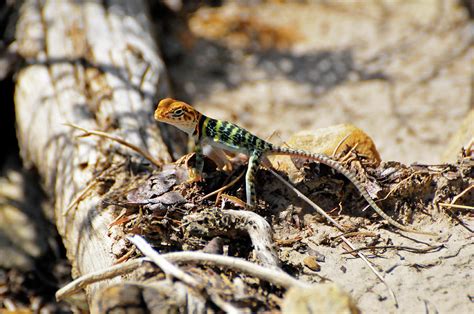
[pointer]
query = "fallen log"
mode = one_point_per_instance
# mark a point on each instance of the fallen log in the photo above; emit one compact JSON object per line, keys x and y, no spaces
{"x":94,"y":64}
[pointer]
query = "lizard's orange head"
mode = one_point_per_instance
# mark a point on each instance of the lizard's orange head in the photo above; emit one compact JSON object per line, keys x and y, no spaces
{"x":178,"y":114}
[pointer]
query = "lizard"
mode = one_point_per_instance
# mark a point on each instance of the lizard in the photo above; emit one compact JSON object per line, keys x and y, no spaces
{"x":228,"y":136}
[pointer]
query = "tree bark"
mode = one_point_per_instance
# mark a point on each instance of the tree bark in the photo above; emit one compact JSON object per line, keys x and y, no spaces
{"x":94,"y":64}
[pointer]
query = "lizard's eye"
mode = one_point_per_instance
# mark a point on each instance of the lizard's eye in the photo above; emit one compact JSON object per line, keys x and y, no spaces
{"x":178,"y":112}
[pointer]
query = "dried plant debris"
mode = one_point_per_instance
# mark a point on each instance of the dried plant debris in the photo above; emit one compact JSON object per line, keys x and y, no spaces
{"x":176,"y":216}
{"x":410,"y":194}
{"x":156,"y":193}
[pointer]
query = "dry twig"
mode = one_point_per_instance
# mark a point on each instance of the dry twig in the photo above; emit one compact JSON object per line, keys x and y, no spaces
{"x":345,"y":158}
{"x":397,"y":186}
{"x":174,"y":271}
{"x":103,"y":274}
{"x":456,"y":206}
{"x":462,"y":193}
{"x":133,"y":147}
{"x":453,"y":205}
{"x":399,"y":247}
{"x":273,"y":276}
{"x":162,"y":262}
{"x":225,"y":187}
{"x":339,"y":144}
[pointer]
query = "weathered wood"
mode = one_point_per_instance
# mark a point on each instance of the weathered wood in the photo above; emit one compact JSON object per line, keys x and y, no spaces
{"x":94,"y":64}
{"x":226,"y":222}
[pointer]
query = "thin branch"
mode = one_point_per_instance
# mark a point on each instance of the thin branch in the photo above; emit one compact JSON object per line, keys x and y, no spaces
{"x":273,"y":276}
{"x":307,"y":200}
{"x":103,"y":274}
{"x":162,"y":262}
{"x":400,"y":183}
{"x":453,"y":205}
{"x":233,"y":200}
{"x":339,"y":144}
{"x":225,"y":306}
{"x":117,"y":139}
{"x":345,"y":158}
{"x":399,"y":247}
{"x":462,"y":193}
{"x":80,"y":196}
{"x":456,"y":206}
{"x":359,"y":233}
{"x":174,"y":271}
{"x":225,"y":187}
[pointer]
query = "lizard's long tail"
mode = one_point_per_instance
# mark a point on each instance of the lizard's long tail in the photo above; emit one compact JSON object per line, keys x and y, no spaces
{"x":338,"y":167}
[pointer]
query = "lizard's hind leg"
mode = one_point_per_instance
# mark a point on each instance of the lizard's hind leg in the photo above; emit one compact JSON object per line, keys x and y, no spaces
{"x":254,"y":162}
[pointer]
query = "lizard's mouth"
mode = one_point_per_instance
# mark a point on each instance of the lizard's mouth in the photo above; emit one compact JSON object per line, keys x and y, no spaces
{"x":187,"y":127}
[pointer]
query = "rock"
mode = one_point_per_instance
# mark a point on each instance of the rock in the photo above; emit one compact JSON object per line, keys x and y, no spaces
{"x":462,"y":138}
{"x":321,"y":298}
{"x":325,"y":141}
{"x":215,"y":246}
{"x":312,"y":263}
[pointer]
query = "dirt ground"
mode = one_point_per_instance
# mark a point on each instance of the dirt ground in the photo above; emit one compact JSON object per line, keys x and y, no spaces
{"x":400,"y":70}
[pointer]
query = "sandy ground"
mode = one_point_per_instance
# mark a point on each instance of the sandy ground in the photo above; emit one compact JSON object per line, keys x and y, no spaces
{"x":437,"y":282}
{"x":400,"y":70}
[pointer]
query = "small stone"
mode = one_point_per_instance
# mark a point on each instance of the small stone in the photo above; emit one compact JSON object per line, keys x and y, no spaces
{"x":318,"y":255}
{"x":215,"y":246}
{"x":312,"y":263}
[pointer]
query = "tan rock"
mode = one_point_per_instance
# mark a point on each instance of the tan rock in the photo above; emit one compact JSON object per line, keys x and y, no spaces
{"x":321,"y":298}
{"x":312,"y":263}
{"x":329,"y":141}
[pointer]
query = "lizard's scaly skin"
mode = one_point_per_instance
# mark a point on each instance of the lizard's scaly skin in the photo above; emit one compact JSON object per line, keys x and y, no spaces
{"x":228,"y":136}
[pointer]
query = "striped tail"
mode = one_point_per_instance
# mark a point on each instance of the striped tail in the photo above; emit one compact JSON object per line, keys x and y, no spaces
{"x":324,"y":159}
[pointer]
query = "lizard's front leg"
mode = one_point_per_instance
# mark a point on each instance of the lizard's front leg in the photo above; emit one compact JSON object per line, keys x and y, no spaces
{"x":195,"y":174}
{"x":254,"y":161}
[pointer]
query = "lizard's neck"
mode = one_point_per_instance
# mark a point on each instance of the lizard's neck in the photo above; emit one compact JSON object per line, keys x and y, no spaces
{"x":198,"y":131}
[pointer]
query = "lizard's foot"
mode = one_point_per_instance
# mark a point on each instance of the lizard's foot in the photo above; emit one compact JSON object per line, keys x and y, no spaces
{"x":194,"y":176}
